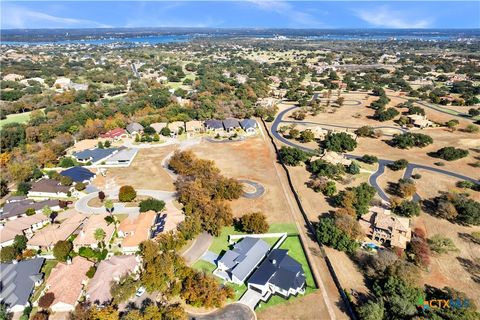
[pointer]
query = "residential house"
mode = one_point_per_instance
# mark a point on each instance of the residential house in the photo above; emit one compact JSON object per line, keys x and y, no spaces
{"x":108,"y":271}
{"x":158,"y":126}
{"x":319,"y":133}
{"x":49,"y":188}
{"x":123,"y":158}
{"x":176,"y":128}
{"x":62,"y":83}
{"x":70,"y":222}
{"x":15,"y":209}
{"x":95,"y":155}
{"x":237,"y":264}
{"x":192,"y":127}
{"x":66,"y":282}
{"x":86,"y":237}
{"x":115,"y":134}
{"x":382,"y":226}
{"x":135,"y":230}
{"x":23,"y":225}
{"x":249,"y":125}
{"x":419,"y":121}
{"x":278,"y":274}
{"x":134,"y":128}
{"x":231,"y":124}
{"x":79,"y":174}
{"x":335,"y":158}
{"x":18,"y":282}
{"x":214,"y":125}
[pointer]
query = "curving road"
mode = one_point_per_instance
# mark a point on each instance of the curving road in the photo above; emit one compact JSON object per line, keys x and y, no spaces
{"x":259,"y":189}
{"x":382,"y":163}
{"x":237,"y":311}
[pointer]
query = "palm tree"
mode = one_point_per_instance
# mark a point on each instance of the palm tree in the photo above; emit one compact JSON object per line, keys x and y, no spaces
{"x":99,"y":234}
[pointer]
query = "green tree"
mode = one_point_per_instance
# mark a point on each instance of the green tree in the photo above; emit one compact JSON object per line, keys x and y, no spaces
{"x":399,"y":164}
{"x":329,"y":235}
{"x":293,"y":156}
{"x":7,"y":254}
{"x":30,"y":212}
{"x":23,"y":188}
{"x":99,"y":234}
{"x":407,"y":208}
{"x":19,"y":243}
{"x":127,"y":193}
{"x":67,"y":162}
{"x":4,"y":190}
{"x":62,"y":249}
{"x":306,"y":136}
{"x":372,"y":311}
{"x":47,"y":211}
{"x":353,"y":168}
{"x":152,"y":204}
{"x":255,"y":222}
{"x":451,"y":153}
{"x":339,"y":142}
{"x":123,"y":290}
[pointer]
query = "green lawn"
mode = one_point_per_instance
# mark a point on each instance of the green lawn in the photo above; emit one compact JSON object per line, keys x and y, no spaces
{"x":17,"y":117}
{"x":204,"y":266}
{"x":220,"y":243}
{"x":46,"y":270}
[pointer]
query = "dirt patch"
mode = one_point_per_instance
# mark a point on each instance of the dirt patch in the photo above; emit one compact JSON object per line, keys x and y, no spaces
{"x":95,"y":202}
{"x":146,"y":171}
{"x":252,"y":160}
{"x":451,"y":269}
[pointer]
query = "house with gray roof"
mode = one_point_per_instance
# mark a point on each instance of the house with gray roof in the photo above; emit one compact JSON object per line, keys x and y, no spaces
{"x":15,"y":209}
{"x":94,"y":155}
{"x":18,"y":281}
{"x":231,"y":124}
{"x":49,"y":188}
{"x":237,"y":264}
{"x":278,"y":274}
{"x":214,"y":125}
{"x":134,"y":128}
{"x":122,"y":158}
{"x":249,"y":125}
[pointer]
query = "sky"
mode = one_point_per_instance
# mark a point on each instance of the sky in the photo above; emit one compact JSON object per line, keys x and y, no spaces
{"x":246,"y":14}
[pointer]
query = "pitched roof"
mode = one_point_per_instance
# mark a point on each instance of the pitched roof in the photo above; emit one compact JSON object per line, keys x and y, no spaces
{"x":65,"y":281}
{"x":78,"y":174}
{"x":50,"y":186}
{"x":51,"y":234}
{"x":137,"y":229}
{"x":245,"y":255}
{"x":123,"y":155}
{"x":17,"y":208}
{"x":193,"y":125}
{"x":280,"y":270}
{"x":86,"y":237}
{"x":108,"y":270}
{"x":214,"y":124}
{"x":18,"y":280}
{"x":95,"y":154}
{"x":16,"y":226}
{"x":231,"y":123}
{"x":248,"y":123}
{"x":158,"y":126}
{"x":113,"y":133}
{"x":134,"y":127}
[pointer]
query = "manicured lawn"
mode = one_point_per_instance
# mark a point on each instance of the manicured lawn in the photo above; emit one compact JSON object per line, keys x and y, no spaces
{"x":17,"y":117}
{"x":204,"y":266}
{"x":220,"y":243}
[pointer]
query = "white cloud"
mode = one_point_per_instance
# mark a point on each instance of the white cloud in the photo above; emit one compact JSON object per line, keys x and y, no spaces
{"x":19,"y":17}
{"x":297,"y":17}
{"x":385,"y":17}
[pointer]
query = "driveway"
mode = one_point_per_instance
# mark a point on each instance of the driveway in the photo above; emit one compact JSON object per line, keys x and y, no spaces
{"x":198,"y":248}
{"x":251,"y":298}
{"x":210,"y":256}
{"x":259,"y":189}
{"x":234,"y":311}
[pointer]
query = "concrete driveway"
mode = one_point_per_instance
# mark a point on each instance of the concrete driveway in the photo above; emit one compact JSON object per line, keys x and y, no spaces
{"x":198,"y":248}
{"x":237,"y":311}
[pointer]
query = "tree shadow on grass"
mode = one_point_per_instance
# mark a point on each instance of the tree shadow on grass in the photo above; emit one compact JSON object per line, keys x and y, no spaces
{"x":468,"y":237}
{"x":472,"y":267}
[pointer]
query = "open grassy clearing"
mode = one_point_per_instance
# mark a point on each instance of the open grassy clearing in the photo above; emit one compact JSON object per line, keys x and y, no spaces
{"x":16,"y":117}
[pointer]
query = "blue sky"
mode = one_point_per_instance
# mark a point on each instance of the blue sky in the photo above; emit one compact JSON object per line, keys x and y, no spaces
{"x":250,"y":14}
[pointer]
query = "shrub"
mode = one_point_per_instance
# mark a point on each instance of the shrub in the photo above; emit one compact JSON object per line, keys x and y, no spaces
{"x":339,"y":142}
{"x":407,"y":208}
{"x":293,"y":156}
{"x":353,"y":168}
{"x":151,"y":204}
{"x":7,"y":254}
{"x":450,"y":153}
{"x":367,"y":158}
{"x":441,"y":244}
{"x":66,"y":181}
{"x":67,"y":162}
{"x":46,"y":300}
{"x":306,"y":136}
{"x":79,"y":186}
{"x":127,"y":194}
{"x":365,"y":131}
{"x":471,"y":128}
{"x":62,"y":249}
{"x":91,"y":272}
{"x":385,"y":114}
{"x":399,"y":164}
{"x":409,"y":140}
{"x":23,"y":188}
{"x":255,"y":222}
{"x":322,"y":168}
{"x":330,"y":235}
{"x":30,"y":212}
{"x":165,"y":132}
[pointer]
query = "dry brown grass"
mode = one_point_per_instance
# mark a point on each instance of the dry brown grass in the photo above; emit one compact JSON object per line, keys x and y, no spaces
{"x":146,"y":171}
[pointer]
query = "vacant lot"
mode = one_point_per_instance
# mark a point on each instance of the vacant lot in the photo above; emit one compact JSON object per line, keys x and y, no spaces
{"x":250,"y":159}
{"x":146,"y":171}
{"x":454,"y":269}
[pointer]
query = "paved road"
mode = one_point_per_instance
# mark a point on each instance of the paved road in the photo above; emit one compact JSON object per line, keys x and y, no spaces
{"x":381,"y":162}
{"x":198,"y":248}
{"x":259,"y":189}
{"x":234,"y":311}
